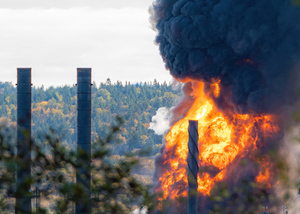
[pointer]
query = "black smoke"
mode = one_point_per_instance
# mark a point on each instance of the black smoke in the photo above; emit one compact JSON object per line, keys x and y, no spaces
{"x":253,"y":46}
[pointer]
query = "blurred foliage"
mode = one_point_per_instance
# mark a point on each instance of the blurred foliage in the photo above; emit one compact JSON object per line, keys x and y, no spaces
{"x":114,"y":189}
{"x":296,"y":2}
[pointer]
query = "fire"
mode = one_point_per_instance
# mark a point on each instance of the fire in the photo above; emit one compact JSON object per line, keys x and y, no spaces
{"x":264,"y":174}
{"x":216,"y":88}
{"x":222,"y":138}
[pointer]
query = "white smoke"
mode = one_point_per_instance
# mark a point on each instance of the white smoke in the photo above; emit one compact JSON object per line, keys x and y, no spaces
{"x":160,"y":122}
{"x":176,"y":84}
{"x":292,"y":153}
{"x":142,"y":210}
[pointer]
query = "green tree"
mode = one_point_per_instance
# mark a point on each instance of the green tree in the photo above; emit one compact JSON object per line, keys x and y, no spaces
{"x":114,"y":188}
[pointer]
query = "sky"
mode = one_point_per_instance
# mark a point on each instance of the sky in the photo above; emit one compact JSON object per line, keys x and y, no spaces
{"x":113,"y":37}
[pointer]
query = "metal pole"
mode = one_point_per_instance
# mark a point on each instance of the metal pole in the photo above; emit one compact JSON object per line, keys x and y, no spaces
{"x":37,"y":199}
{"x":84,"y":136}
{"x":193,"y":168}
{"x":23,"y":200}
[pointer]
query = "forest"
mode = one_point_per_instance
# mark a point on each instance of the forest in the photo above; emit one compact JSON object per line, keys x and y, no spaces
{"x":54,"y":108}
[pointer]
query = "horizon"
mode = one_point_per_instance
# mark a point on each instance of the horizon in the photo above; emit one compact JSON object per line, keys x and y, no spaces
{"x":123,"y":83}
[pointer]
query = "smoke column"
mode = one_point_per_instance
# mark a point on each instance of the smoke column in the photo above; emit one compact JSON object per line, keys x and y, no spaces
{"x":252,"y":47}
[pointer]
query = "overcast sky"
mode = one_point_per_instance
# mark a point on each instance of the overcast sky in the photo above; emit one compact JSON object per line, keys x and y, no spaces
{"x":113,"y":37}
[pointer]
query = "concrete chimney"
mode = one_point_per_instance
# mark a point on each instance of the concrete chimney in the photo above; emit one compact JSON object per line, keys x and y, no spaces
{"x":193,"y":168}
{"x":84,"y":105}
{"x":23,"y":201}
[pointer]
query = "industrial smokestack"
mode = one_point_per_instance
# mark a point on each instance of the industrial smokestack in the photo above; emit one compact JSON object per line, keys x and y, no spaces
{"x":84,"y":135}
{"x":23,"y":201}
{"x":192,"y":167}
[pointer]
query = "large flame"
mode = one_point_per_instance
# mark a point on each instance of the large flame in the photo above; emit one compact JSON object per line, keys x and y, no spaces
{"x":222,"y":137}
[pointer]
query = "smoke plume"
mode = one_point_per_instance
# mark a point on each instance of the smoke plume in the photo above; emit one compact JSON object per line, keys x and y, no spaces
{"x":251,"y":48}
{"x":251,"y":45}
{"x":160,"y":121}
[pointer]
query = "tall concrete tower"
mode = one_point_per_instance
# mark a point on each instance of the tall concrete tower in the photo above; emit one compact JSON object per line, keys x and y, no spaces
{"x":83,"y":175}
{"x":23,"y":201}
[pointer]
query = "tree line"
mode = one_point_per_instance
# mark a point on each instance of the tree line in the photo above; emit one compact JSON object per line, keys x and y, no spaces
{"x":55,"y":108}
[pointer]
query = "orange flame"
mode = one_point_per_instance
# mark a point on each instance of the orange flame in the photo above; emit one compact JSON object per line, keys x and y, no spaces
{"x":222,"y":137}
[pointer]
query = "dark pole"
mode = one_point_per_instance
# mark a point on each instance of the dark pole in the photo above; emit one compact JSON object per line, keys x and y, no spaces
{"x":36,"y":199}
{"x":23,"y":200}
{"x":84,"y":105}
{"x":193,"y":168}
